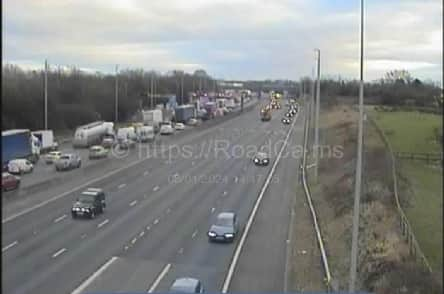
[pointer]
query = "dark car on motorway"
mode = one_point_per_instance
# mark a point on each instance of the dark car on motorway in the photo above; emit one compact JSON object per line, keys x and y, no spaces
{"x":261,"y":158}
{"x":289,"y":114}
{"x":68,"y":161}
{"x":286,"y":121}
{"x":89,"y":203}
{"x":10,"y":182}
{"x":186,"y":285}
{"x":225,"y":228}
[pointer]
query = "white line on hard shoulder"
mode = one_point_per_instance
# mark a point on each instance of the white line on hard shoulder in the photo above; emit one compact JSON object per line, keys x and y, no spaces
{"x":9,"y":246}
{"x":59,"y":252}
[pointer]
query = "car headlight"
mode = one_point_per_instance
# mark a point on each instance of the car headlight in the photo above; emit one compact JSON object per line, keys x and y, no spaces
{"x":229,"y":235}
{"x":265,"y":160}
{"x":212,"y":234}
{"x":83,"y":209}
{"x":256,"y":160}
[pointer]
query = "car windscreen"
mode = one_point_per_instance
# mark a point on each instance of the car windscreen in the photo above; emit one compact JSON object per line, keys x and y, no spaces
{"x":64,"y":157}
{"x":86,"y":198}
{"x":224,"y":222}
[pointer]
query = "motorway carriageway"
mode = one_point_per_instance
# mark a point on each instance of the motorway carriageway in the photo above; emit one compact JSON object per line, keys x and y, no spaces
{"x":154,"y":228}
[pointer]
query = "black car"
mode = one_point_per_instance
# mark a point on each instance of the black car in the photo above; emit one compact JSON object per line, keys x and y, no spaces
{"x":286,"y":121}
{"x":261,"y":158}
{"x":289,"y":114}
{"x":225,"y":228}
{"x":89,"y":203}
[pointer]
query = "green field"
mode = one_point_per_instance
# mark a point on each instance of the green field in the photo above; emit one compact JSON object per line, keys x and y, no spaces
{"x":414,"y":132}
{"x":410,"y":131}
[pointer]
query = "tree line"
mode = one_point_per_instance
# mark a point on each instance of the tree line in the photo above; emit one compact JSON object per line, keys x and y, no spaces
{"x":76,"y":97}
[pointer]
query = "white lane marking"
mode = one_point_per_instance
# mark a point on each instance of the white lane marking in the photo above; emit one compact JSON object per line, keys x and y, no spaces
{"x":146,"y":173}
{"x":122,"y":186}
{"x":168,"y":210}
{"x":88,"y":281}
{"x":126,"y":248}
{"x":240,"y":245}
{"x":213,"y":209}
{"x":60,"y":218}
{"x":148,"y":228}
{"x":180,"y":251}
{"x":236,"y":179}
{"x":133,"y":203}
{"x":103,"y":223}
{"x":159,"y":278}
{"x":194,"y":234}
{"x":156,"y":188}
{"x":192,"y":163}
{"x":9,"y":246}
{"x":58,"y":252}
{"x":225,"y":193}
{"x":141,"y":234}
{"x":83,"y":236}
{"x":133,"y":241}
{"x":156,"y":221}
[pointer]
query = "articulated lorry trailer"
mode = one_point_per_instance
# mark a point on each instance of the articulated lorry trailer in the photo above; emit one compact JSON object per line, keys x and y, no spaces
{"x":19,"y":144}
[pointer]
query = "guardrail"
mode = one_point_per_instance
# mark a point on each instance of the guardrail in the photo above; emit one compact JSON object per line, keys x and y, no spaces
{"x":328,"y":278}
{"x":419,"y":156}
{"x":406,"y":229}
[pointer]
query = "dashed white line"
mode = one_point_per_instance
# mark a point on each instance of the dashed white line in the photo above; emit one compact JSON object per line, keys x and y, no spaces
{"x":126,"y":248}
{"x":133,"y":203}
{"x":148,"y":228}
{"x":141,"y":234}
{"x":60,"y":218}
{"x":146,"y":173}
{"x":159,"y":278}
{"x":156,"y":221}
{"x":168,"y":210}
{"x":213,"y":209}
{"x":88,"y":281}
{"x":180,"y":251}
{"x":224,"y":193}
{"x":103,"y":223}
{"x":236,"y":179}
{"x":133,"y":240}
{"x":58,"y":252}
{"x":9,"y":246}
{"x":194,"y":234}
{"x":122,"y":186}
{"x":156,"y":188}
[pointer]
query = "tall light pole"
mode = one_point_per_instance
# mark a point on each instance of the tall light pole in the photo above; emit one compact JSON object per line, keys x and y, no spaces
{"x":46,"y":94}
{"x":151,"y":89}
{"x":318,"y":95}
{"x":181,"y":88}
{"x":312,"y":100}
{"x":116,"y":118}
{"x":355,"y":230}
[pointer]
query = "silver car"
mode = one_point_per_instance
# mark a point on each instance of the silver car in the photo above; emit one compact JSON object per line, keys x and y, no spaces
{"x":187,"y":285}
{"x":225,"y":228}
{"x":68,"y":161}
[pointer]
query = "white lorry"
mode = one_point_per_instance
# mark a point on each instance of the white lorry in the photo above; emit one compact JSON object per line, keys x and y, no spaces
{"x":152,"y":118}
{"x":145,"y":133}
{"x":92,"y":134}
{"x":128,"y":133}
{"x":46,"y":140}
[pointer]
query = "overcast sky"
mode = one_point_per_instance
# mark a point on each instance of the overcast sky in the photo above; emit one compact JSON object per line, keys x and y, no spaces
{"x":230,"y":39}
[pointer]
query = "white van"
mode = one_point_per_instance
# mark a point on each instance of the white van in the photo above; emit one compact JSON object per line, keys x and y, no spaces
{"x":126,"y":134}
{"x":146,"y":133}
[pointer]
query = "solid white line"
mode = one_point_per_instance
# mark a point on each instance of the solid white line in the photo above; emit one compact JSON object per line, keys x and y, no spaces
{"x":146,"y":173}
{"x":194,"y":234}
{"x":103,"y":223}
{"x":122,"y":186}
{"x":9,"y":246}
{"x":240,"y":245}
{"x":88,"y":281}
{"x":58,"y":252}
{"x":60,"y":218}
{"x":213,"y":209}
{"x":133,"y":203}
{"x":159,"y":278}
{"x":156,"y":188}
